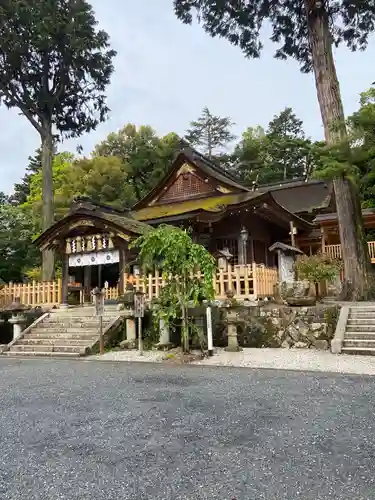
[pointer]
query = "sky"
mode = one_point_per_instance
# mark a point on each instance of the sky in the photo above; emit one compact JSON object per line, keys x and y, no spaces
{"x":166,"y":72}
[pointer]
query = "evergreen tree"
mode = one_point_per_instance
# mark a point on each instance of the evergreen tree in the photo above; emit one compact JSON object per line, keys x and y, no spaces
{"x":54,"y":67}
{"x":209,"y":133}
{"x":22,"y":189}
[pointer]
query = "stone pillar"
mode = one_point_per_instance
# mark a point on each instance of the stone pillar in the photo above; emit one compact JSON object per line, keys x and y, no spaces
{"x":122,"y":263}
{"x":164,"y":337}
{"x":18,"y":321}
{"x":232,"y":332}
{"x":65,"y":281}
{"x":131,"y":330}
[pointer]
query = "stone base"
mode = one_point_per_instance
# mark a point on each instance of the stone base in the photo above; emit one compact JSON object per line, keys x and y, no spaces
{"x":301,"y":301}
{"x":163,"y":346}
{"x":128,"y":344}
{"x":233,"y":349}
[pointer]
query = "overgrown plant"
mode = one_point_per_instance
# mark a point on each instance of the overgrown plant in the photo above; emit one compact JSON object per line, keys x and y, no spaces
{"x":187,"y":269}
{"x":317,"y":269}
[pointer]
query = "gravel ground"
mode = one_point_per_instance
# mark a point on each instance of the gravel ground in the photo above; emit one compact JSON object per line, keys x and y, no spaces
{"x":279,"y":359}
{"x":294,"y":359}
{"x":148,"y":356}
{"x":73,"y":430}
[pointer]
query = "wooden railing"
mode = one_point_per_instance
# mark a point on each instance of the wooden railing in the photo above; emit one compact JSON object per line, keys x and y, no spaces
{"x":334,"y":251}
{"x":247,"y":282}
{"x":31,"y":294}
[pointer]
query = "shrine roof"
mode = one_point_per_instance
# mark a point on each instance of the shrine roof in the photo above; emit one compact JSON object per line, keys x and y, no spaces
{"x":301,"y":196}
{"x":101,"y":215}
{"x":219,"y":205}
{"x":205,"y":166}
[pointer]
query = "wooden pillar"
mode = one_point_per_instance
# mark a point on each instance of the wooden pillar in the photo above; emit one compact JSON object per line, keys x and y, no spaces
{"x":241,"y":253}
{"x":292,"y":235}
{"x":65,"y":280}
{"x":122,"y":264}
{"x":87,"y":284}
{"x":323,"y":240}
{"x":252,"y":254}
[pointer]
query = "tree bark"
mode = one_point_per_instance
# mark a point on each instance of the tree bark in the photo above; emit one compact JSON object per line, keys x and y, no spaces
{"x":48,"y":257}
{"x":357,"y":265}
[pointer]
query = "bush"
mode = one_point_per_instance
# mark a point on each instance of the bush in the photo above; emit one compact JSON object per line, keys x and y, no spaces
{"x":317,"y":268}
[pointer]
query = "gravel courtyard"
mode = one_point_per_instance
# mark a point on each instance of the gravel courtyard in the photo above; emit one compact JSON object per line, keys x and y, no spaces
{"x":111,"y":431}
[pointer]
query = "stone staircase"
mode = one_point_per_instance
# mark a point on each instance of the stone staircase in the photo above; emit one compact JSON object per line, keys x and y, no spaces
{"x":63,"y":332}
{"x":359,"y":336}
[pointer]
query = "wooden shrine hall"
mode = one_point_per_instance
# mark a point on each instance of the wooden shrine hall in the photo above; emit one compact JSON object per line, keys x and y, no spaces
{"x":238,"y":224}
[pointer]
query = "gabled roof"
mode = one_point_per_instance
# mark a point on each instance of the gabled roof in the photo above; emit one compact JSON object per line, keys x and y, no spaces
{"x":101,"y":215}
{"x":207,"y":167}
{"x":279,"y":245}
{"x":300,"y":196}
{"x":220,"y":205}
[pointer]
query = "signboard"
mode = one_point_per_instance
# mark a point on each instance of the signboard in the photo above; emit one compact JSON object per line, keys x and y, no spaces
{"x":139,"y":305}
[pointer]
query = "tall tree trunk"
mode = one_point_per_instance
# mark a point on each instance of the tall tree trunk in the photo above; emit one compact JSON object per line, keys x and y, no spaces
{"x":357,"y":266}
{"x":48,"y":257}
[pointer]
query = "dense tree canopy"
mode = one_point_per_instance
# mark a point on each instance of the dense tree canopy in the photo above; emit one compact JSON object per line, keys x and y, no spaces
{"x":144,"y":155}
{"x":16,"y":251}
{"x":281,"y":152}
{"x":241,"y":22}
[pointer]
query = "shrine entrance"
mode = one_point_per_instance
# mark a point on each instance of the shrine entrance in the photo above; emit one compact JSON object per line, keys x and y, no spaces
{"x":93,"y":269}
{"x":93,"y":241}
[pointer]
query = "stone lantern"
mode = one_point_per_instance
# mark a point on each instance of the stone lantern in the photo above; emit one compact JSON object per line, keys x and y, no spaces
{"x":223,"y":258}
{"x":18,"y":319}
{"x":232,"y":320}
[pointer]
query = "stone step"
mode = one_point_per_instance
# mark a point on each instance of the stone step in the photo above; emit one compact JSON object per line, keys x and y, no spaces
{"x":81,"y":319}
{"x":359,"y":343}
{"x":360,"y":321}
{"x":360,"y":328}
{"x":362,"y":312}
{"x":50,"y":325}
{"x":47,"y":348}
{"x":74,"y":331}
{"x":57,"y":341}
{"x":37,"y":354}
{"x":359,"y":335}
{"x":364,"y":351}
{"x":62,"y":336}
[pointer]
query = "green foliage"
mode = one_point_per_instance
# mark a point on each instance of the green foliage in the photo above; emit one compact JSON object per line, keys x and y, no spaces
{"x":362,"y":132}
{"x":61,"y":166}
{"x":16,"y":250}
{"x":317,"y":268}
{"x":172,"y":251}
{"x":145,"y":156}
{"x":104,"y":180}
{"x":241,"y":22}
{"x":22,"y":189}
{"x":280,"y":153}
{"x":210,"y":133}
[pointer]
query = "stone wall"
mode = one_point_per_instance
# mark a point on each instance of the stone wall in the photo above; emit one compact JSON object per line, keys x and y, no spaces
{"x":280,"y":326}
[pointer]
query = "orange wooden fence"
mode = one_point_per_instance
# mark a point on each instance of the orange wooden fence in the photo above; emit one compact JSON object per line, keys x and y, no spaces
{"x":246,"y":282}
{"x":334,"y":251}
{"x":31,"y":294}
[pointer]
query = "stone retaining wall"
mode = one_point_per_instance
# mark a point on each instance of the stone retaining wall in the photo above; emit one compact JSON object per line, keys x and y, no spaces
{"x":281,"y":326}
